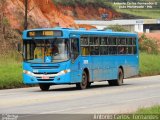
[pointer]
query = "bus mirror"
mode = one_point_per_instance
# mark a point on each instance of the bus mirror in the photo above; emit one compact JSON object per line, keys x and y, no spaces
{"x":19,"y":47}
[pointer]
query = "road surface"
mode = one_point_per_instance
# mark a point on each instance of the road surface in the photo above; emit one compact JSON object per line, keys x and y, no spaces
{"x":100,"y":98}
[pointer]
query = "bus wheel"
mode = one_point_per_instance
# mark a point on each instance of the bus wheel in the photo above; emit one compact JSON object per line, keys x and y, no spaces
{"x":89,"y":84}
{"x":111,"y":82}
{"x":84,"y":82}
{"x":44,"y":87}
{"x":118,"y":81}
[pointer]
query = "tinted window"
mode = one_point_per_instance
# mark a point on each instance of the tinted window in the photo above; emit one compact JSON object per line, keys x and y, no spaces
{"x":84,"y":41}
{"x":94,"y":50}
{"x":129,"y":41}
{"x":85,"y":50}
{"x":104,"y":41}
{"x":112,"y":41}
{"x":94,"y":41}
{"x":121,"y":41}
{"x":103,"y":50}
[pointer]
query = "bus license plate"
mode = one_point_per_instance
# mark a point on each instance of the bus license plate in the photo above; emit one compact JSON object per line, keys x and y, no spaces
{"x":45,"y":77}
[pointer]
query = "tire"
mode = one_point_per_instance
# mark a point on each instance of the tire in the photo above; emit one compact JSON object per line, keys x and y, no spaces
{"x":44,"y":87}
{"x":89,"y":84}
{"x":119,"y":81}
{"x":84,"y":82}
{"x":111,"y":82}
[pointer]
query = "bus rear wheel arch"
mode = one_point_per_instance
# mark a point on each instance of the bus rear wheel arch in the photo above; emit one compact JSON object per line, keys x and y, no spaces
{"x":44,"y":87}
{"x":119,"y":80}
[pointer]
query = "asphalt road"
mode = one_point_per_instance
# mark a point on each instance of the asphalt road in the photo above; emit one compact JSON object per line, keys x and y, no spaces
{"x":100,"y":98}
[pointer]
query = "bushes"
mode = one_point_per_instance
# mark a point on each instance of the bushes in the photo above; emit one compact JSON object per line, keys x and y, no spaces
{"x":148,"y":45}
{"x":117,"y":28}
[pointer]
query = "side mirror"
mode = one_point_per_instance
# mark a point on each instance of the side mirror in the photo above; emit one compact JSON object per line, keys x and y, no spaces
{"x":19,"y":47}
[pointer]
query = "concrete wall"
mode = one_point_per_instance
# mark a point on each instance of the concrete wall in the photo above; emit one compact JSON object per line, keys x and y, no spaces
{"x":138,"y":28}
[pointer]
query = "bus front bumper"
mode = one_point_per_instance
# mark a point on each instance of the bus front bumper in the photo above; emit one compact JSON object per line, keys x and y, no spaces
{"x":60,"y":78}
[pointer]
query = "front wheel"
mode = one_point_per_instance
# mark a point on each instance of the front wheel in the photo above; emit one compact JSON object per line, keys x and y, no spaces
{"x":84,"y":82}
{"x":44,"y":87}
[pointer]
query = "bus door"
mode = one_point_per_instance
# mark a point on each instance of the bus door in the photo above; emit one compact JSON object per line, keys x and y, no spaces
{"x":75,"y":60}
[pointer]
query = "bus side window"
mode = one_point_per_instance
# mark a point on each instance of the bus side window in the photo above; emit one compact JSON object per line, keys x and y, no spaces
{"x":135,"y":50}
{"x":130,"y":50}
{"x":85,"y":50}
{"x":84,"y":41}
{"x":104,"y":50}
{"x":121,"y":50}
{"x":134,"y":41}
{"x":94,"y":50}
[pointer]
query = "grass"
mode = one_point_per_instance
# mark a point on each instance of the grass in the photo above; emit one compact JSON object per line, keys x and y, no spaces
{"x":150,"y":110}
{"x":10,"y":73}
{"x":149,"y":64}
{"x":146,"y":13}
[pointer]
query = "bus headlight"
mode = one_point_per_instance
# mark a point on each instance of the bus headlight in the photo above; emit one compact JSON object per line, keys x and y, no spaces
{"x":27,"y":72}
{"x":64,"y":72}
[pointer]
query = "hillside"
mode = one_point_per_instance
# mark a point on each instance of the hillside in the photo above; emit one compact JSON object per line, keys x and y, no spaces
{"x":41,"y":13}
{"x":46,"y":13}
{"x":52,"y":13}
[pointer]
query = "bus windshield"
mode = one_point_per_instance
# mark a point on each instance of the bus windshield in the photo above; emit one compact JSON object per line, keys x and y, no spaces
{"x":54,"y":50}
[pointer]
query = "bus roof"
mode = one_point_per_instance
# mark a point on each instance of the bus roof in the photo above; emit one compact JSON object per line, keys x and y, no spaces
{"x":66,"y":32}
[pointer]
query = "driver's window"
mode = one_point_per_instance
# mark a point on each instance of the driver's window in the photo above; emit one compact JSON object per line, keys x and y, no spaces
{"x":74,"y":48}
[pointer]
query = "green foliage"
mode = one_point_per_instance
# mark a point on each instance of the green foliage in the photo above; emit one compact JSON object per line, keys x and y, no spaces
{"x":5,"y":21}
{"x":101,"y":3}
{"x":10,"y":72}
{"x":145,"y":13}
{"x":149,"y":64}
{"x":148,"y":45}
{"x":116,"y":28}
{"x":150,"y":110}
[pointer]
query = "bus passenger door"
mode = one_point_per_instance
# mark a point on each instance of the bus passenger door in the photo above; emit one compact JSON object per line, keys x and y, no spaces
{"x":75,"y":60}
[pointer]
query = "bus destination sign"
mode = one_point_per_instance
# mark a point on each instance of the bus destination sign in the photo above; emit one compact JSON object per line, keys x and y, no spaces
{"x":46,"y":33}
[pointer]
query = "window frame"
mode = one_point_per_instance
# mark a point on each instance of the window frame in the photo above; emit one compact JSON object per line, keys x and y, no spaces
{"x":126,"y":44}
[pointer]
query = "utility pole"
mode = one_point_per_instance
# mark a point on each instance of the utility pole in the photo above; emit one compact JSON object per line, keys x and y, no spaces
{"x":26,"y":15}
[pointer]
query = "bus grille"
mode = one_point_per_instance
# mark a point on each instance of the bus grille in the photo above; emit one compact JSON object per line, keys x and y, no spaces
{"x":45,"y":73}
{"x":44,"y":67}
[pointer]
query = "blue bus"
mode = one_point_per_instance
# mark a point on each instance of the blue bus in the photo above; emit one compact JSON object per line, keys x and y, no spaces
{"x":55,"y":56}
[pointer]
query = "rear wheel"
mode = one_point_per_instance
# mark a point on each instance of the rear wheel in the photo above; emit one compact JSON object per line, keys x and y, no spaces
{"x":44,"y":87}
{"x":118,"y":81}
{"x":84,"y":82}
{"x":111,"y":82}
